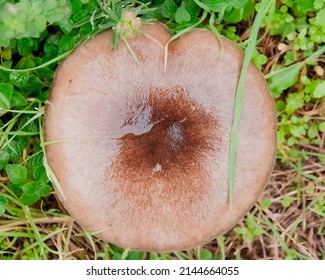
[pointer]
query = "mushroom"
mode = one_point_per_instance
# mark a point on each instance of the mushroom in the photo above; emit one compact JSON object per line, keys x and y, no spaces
{"x":141,"y":155}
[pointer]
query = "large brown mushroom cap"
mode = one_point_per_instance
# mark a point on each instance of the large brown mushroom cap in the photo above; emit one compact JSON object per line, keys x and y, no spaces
{"x":143,"y":155}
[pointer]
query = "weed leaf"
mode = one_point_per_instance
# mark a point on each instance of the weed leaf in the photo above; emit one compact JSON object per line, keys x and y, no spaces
{"x":320,"y":90}
{"x":284,"y":79}
{"x":182,"y":16}
{"x":16,"y":173}
{"x":169,"y":9}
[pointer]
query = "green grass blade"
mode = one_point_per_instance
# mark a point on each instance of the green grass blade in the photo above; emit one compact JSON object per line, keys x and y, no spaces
{"x":36,"y":116}
{"x":9,"y":125}
{"x":239,"y":99}
{"x":35,"y":230}
{"x":221,"y":244}
{"x":179,"y":34}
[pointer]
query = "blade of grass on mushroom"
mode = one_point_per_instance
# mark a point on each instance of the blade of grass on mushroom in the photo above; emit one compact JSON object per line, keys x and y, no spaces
{"x":179,"y":34}
{"x":216,"y":32}
{"x":239,"y":99}
{"x":130,"y":49}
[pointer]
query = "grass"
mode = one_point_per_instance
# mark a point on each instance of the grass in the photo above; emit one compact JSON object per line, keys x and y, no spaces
{"x":288,"y":222}
{"x":239,"y":99}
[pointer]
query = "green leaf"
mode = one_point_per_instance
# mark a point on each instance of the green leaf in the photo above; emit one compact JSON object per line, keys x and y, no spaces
{"x":205,"y":254}
{"x":281,"y":136}
{"x":259,"y":59}
{"x":135,"y":256}
{"x":51,"y":48}
{"x":182,"y":16}
{"x":35,"y":161}
{"x":169,"y":9}
{"x":3,"y":203}
{"x":44,"y":190}
{"x":26,"y":62}
{"x":29,"y":199}
{"x":287,"y":201}
{"x":45,"y":73}
{"x":35,"y":188}
{"x":30,"y":188}
{"x":6,"y":53}
{"x":34,"y":83}
{"x":294,"y":102}
{"x":76,"y":6}
{"x":6,"y":91}
{"x":233,"y":16}
{"x":26,"y":46}
{"x":215,"y":5}
{"x":318,"y":4}
{"x":319,"y":90}
{"x":312,"y":131}
{"x":19,"y":79}
{"x":40,"y":174}
{"x":284,"y":79}
{"x":238,"y":14}
{"x":16,"y":173}
{"x":67,"y":42}
{"x":15,"y":150}
{"x":280,"y":106}
{"x":117,"y":256}
{"x":236,"y":4}
{"x":266,"y":203}
{"x":86,"y":29}
{"x":250,"y":236}
{"x":320,"y":18}
{"x":241,"y":230}
{"x":28,"y":125}
{"x":297,"y":130}
{"x":18,"y":99}
{"x":66,"y":26}
{"x":59,"y":10}
{"x":192,"y":8}
{"x":302,"y":7}
{"x":4,"y":159}
{"x":80,"y":16}
{"x":322,"y":127}
{"x":40,"y":23}
{"x":33,"y":192}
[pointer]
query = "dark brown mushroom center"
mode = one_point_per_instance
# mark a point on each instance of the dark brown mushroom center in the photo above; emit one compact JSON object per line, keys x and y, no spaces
{"x":165,"y":132}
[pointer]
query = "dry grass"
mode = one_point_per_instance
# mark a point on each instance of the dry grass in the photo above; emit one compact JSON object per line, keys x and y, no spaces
{"x":297,"y":231}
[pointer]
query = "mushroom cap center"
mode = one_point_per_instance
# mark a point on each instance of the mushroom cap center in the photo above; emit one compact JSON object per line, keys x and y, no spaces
{"x":165,"y":133}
